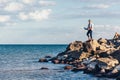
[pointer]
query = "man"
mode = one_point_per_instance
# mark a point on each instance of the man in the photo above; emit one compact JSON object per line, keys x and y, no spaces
{"x":90,"y":29}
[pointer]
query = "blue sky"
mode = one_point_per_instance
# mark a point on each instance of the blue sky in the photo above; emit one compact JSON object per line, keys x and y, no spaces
{"x":56,"y":21}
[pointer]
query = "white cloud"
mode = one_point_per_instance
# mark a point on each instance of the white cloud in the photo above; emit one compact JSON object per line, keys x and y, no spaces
{"x":47,"y":3}
{"x":28,"y":1}
{"x":36,"y":15}
{"x":23,"y":16}
{"x":10,"y":24}
{"x":4,"y":18}
{"x":40,"y":15}
{"x":99,"y":6}
{"x":14,"y":6}
{"x":3,"y":1}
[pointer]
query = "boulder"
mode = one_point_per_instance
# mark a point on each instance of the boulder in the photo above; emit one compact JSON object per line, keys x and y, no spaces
{"x":107,"y":63}
{"x":116,"y":37}
{"x":102,"y":40}
{"x":84,"y":55}
{"x":90,"y":45}
{"x":116,"y":55}
{"x":74,"y":46}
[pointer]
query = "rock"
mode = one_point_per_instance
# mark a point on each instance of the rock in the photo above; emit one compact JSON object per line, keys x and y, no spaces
{"x":118,"y":78}
{"x":79,"y":68}
{"x":107,"y":63}
{"x":48,"y":56}
{"x":74,"y":54}
{"x":103,"y":48}
{"x":113,"y":74}
{"x":116,"y":55}
{"x":56,"y":61}
{"x":43,"y":60}
{"x":84,"y":55}
{"x":102,"y":40}
{"x":90,"y":46}
{"x":100,"y":57}
{"x":116,"y":37}
{"x":44,"y":68}
{"x":68,"y":67}
{"x":104,"y":55}
{"x":74,"y":46}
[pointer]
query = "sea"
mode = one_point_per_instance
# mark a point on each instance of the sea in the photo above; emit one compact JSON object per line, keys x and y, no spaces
{"x":20,"y":62}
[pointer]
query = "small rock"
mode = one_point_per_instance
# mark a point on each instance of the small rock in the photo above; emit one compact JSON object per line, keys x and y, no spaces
{"x":48,"y":56}
{"x":68,"y":67}
{"x":56,"y":61}
{"x":43,"y":60}
{"x":44,"y":68}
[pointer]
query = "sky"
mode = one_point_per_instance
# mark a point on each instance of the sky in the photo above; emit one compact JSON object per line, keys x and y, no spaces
{"x":56,"y":21}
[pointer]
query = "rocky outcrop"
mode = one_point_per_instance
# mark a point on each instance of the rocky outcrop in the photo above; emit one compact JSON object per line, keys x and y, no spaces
{"x":99,"y":57}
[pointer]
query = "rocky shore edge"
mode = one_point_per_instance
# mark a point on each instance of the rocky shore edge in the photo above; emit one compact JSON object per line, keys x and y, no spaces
{"x":100,"y":58}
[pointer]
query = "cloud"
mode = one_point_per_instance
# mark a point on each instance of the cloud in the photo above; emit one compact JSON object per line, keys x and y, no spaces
{"x":105,"y":31}
{"x":99,"y":6}
{"x":3,"y":1}
{"x":28,"y":1}
{"x":47,"y":3}
{"x":4,"y":18}
{"x":14,"y":6}
{"x":23,"y":16}
{"x":35,"y":15}
{"x":97,"y":1}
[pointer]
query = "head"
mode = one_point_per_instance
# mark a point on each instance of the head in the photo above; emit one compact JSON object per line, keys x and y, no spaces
{"x":89,"y":21}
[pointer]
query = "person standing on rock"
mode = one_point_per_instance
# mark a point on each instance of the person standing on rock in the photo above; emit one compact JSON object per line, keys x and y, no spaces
{"x":89,"y":30}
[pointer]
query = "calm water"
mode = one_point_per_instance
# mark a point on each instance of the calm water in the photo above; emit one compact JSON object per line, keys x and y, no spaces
{"x":20,"y":62}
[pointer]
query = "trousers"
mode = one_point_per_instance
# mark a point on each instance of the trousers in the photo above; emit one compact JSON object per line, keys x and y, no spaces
{"x":89,"y":34}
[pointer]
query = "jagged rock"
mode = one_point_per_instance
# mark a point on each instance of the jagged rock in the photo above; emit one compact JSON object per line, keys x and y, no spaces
{"x":107,"y":63}
{"x":103,"y":54}
{"x":91,"y":45}
{"x":116,"y":55}
{"x":74,"y":46}
{"x":102,"y":40}
{"x":84,"y":55}
{"x":117,"y":36}
{"x":100,"y":57}
{"x":88,"y":60}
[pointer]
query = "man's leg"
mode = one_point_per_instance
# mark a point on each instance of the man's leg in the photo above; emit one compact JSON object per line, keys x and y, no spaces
{"x":88,"y":33}
{"x":91,"y":34}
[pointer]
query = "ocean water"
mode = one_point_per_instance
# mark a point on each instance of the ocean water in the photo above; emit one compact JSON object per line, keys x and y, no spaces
{"x":20,"y":62}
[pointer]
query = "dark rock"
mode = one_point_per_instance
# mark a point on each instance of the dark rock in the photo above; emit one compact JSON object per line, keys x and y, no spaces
{"x":103,"y":54}
{"x":56,"y":61}
{"x":43,"y":60}
{"x":44,"y":68}
{"x":106,"y":63}
{"x":118,"y":78}
{"x":48,"y":56}
{"x":79,"y":67}
{"x":116,"y":55}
